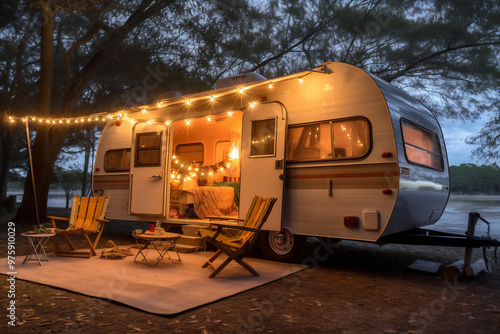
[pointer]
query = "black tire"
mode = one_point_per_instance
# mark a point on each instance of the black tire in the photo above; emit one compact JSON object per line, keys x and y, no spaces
{"x":282,"y":246}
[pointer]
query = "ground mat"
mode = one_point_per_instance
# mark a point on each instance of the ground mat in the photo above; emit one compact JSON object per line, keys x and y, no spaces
{"x":167,"y":288}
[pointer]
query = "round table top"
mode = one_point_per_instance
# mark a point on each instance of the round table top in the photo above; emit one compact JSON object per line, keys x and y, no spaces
{"x":165,"y":235}
{"x":37,"y":235}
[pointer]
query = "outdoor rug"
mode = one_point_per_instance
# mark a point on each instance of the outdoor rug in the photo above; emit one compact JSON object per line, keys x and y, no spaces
{"x":167,"y":288}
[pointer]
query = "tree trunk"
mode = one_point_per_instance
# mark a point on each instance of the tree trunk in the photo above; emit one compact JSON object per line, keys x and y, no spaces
{"x":88,"y":143}
{"x":49,"y":141}
{"x":42,"y":149}
{"x":7,"y":155}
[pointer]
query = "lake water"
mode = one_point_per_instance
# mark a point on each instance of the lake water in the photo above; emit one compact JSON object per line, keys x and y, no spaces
{"x":456,"y":214}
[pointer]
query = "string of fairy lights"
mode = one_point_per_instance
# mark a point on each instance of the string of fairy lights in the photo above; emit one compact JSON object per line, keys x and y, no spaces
{"x":122,"y":115}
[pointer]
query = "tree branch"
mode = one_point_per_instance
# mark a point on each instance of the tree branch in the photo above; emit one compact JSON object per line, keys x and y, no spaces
{"x":310,"y":34}
{"x":144,"y":11}
{"x":67,"y":56}
{"x":435,"y":54}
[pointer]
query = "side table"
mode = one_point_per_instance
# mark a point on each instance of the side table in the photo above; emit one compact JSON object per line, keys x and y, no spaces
{"x":161,"y":244}
{"x":37,"y":243}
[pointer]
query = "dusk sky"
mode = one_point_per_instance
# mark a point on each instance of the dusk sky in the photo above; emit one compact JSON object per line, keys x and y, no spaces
{"x":455,"y":132}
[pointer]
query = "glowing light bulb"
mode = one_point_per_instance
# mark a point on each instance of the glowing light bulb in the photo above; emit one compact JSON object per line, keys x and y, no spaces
{"x":301,"y":81}
{"x":142,"y":111}
{"x":270,"y":85}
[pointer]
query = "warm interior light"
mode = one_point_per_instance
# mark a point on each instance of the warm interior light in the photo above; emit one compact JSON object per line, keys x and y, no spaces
{"x":234,"y":154}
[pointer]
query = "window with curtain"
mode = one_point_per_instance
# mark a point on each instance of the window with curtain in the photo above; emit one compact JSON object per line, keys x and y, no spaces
{"x":329,"y":140}
{"x":421,"y":146}
{"x":117,"y":160}
{"x":193,"y":152}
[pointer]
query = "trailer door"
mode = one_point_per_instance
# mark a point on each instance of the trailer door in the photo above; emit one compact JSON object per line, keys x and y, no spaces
{"x":147,"y":169}
{"x":263,"y":158}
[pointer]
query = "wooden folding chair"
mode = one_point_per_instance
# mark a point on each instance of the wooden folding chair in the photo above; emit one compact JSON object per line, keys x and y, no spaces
{"x":236,"y":247}
{"x":87,"y":218}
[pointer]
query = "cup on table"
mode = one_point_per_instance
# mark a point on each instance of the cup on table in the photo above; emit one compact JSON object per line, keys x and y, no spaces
{"x":138,"y":231}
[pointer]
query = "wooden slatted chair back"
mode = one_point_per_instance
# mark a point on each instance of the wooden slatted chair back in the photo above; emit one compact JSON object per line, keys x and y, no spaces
{"x":256,"y":216}
{"x":86,"y":210}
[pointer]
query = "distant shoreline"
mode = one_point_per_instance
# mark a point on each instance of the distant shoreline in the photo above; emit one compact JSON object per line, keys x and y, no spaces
{"x":477,"y":197}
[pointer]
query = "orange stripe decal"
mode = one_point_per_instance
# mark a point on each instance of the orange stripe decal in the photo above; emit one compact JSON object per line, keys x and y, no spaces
{"x":341,"y":176}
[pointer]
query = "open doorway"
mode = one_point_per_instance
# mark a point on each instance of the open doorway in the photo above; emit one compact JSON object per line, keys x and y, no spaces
{"x":205,"y":167}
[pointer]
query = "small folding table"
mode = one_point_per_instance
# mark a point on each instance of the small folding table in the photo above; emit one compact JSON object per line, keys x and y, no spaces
{"x":157,"y":243}
{"x":37,"y":242}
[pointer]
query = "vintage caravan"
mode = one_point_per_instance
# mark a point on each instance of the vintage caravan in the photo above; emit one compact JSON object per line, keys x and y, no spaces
{"x":348,"y":155}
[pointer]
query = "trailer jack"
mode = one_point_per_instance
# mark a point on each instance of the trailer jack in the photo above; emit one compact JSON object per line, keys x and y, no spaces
{"x":436,"y":238}
{"x":471,"y":227}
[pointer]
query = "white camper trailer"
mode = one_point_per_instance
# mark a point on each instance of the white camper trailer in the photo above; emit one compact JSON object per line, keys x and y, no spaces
{"x":348,"y":156}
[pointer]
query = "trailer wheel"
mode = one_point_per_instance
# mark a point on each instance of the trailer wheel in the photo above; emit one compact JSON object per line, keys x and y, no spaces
{"x":282,"y":246}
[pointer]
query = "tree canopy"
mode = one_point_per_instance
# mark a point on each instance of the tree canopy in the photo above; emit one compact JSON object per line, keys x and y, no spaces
{"x":72,"y":58}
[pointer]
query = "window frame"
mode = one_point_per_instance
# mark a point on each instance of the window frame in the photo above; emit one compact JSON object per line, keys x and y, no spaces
{"x":275,"y":119}
{"x":149,"y":148}
{"x":331,"y":121}
{"x":431,"y":153}
{"x":176,"y":153}
{"x":129,"y":149}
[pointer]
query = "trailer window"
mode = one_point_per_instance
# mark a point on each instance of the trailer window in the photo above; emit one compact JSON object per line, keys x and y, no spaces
{"x":191,"y":152}
{"x":329,"y":140}
{"x":117,"y":160}
{"x":148,"y":150}
{"x":421,"y":146}
{"x":263,"y":138}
